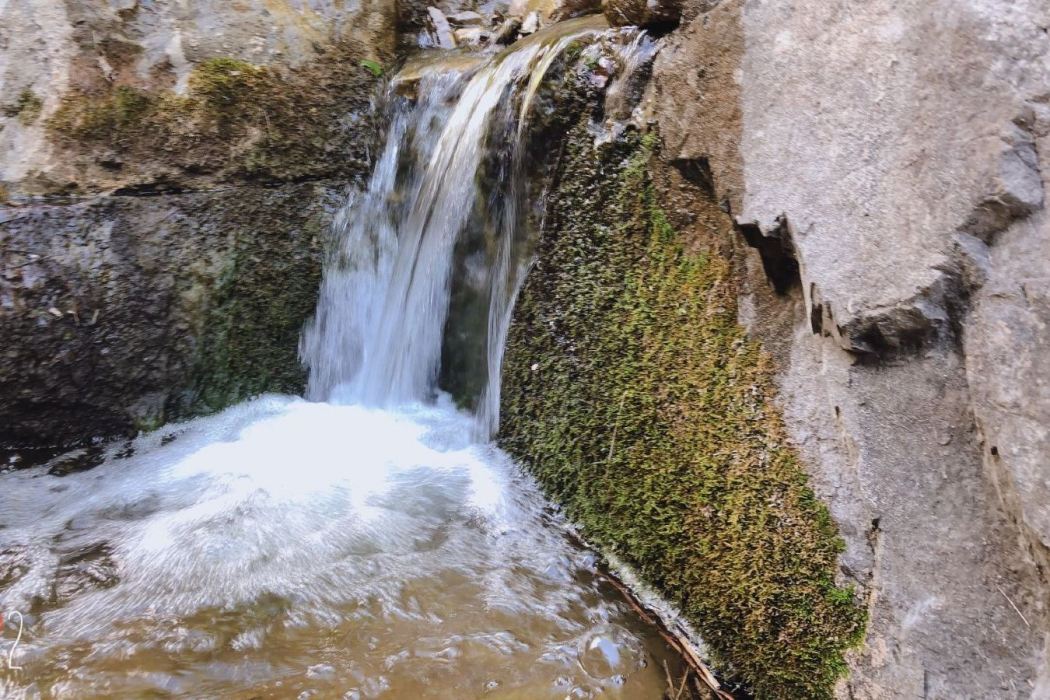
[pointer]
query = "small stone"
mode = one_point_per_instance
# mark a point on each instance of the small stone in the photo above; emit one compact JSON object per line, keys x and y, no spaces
{"x":442,"y":28}
{"x":466,"y":19}
{"x":535,"y":367}
{"x":471,"y":36}
{"x":531,"y":23}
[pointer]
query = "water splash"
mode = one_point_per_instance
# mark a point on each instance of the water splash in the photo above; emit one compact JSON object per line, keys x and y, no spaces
{"x":287,"y":547}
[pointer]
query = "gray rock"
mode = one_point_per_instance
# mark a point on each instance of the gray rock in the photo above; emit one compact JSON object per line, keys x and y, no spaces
{"x":472,"y":36}
{"x":132,"y":302}
{"x":162,"y":303}
{"x":642,"y":13}
{"x":903,"y":146}
{"x":467,"y":18}
{"x":442,"y":29}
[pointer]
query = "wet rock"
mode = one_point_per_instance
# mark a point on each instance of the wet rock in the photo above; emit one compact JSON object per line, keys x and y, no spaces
{"x":466,"y":19}
{"x":567,"y":9}
{"x":77,"y":461}
{"x":165,"y":201}
{"x":642,"y":13}
{"x":472,"y":36}
{"x":508,"y":31}
{"x":442,"y":29}
{"x":169,"y":297}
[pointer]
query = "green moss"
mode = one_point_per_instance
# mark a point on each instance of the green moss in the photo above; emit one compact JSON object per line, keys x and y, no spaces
{"x":639,"y":403}
{"x":244,"y":120}
{"x":255,"y":310}
{"x":224,"y":81}
{"x":26,"y":108}
{"x":114,"y":117}
{"x":372,"y":67}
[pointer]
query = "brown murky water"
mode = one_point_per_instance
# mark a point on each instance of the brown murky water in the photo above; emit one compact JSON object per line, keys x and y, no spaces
{"x":292,"y":549}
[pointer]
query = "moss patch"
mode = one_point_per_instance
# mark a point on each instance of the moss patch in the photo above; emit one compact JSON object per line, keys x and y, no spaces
{"x":639,"y":403}
{"x":237,"y":119}
{"x":249,"y":337}
{"x":26,"y":107}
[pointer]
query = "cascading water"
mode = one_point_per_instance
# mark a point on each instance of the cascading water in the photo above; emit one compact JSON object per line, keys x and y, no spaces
{"x":361,"y":544}
{"x":377,"y":335}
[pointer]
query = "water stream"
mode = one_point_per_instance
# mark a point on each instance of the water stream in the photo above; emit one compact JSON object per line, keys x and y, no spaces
{"x":367,"y":541}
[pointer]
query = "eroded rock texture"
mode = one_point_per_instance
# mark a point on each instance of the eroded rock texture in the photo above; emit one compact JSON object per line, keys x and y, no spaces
{"x":886,"y":165}
{"x":167,"y":172}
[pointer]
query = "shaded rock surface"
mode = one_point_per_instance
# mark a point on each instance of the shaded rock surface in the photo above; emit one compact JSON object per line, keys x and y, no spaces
{"x":122,"y":312}
{"x":168,"y":172}
{"x":642,"y":13}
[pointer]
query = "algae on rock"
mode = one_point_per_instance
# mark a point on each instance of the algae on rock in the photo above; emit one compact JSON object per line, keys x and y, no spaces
{"x":237,"y":120}
{"x":633,"y":395}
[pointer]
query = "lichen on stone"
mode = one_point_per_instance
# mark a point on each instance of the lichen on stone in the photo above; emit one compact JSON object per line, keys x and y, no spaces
{"x":26,"y":107}
{"x":237,"y":119}
{"x":638,"y":402}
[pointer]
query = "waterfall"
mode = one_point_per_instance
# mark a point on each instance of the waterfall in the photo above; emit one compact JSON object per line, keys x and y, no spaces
{"x":368,"y":542}
{"x":376,"y":337}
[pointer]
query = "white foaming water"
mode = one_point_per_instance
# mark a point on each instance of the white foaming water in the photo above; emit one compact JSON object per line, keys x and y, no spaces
{"x":289,"y":546}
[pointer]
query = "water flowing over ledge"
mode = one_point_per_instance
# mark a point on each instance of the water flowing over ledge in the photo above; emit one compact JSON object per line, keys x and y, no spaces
{"x":377,"y":335}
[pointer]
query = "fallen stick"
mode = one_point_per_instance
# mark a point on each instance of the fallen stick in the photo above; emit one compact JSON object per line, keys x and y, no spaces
{"x":673,"y":639}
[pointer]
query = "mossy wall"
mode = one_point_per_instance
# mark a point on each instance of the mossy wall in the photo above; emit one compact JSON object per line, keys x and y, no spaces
{"x":632,"y":394}
{"x":192,"y":298}
{"x":236,"y":120}
{"x":195,"y":301}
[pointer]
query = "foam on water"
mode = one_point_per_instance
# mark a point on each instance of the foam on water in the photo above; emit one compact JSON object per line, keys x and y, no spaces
{"x":315,"y":547}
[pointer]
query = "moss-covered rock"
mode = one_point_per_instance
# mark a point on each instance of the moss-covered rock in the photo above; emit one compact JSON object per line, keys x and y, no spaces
{"x":126,"y":312}
{"x":237,"y":120}
{"x":632,"y":394}
{"x":26,"y":107}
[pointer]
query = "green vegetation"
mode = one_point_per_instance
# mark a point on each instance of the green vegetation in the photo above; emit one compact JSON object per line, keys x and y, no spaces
{"x":249,"y":334}
{"x":372,"y":67}
{"x":237,"y":118}
{"x":640,"y":405}
{"x":114,"y":117}
{"x":26,"y":108}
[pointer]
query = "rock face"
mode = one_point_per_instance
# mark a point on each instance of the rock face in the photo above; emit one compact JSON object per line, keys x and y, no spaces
{"x":132,"y":310}
{"x":886,"y":167}
{"x":166,"y":174}
{"x":873,"y":182}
